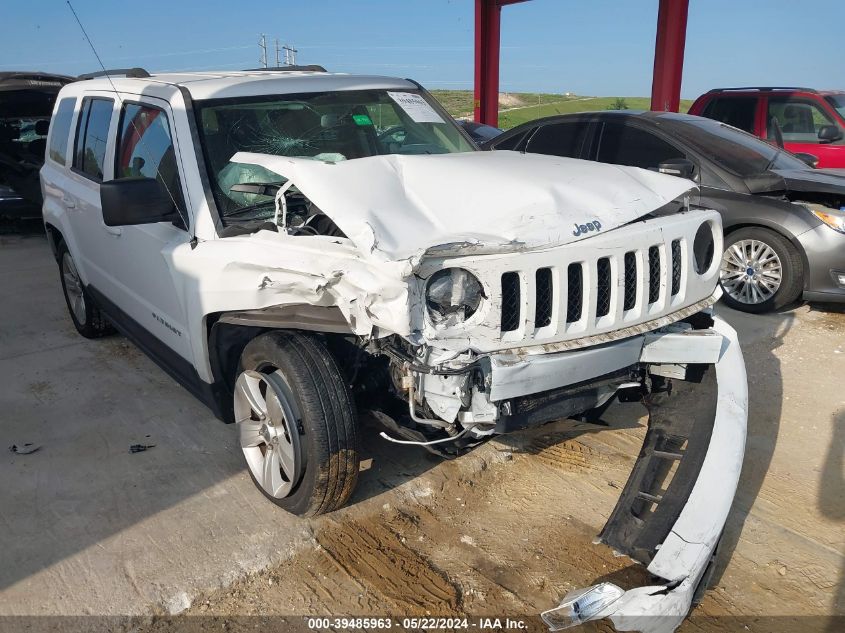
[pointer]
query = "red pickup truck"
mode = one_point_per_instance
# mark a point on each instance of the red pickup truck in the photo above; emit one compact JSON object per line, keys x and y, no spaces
{"x":810,"y":121}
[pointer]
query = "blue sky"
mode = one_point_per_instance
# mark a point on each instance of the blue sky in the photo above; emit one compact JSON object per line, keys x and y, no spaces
{"x":590,"y":47}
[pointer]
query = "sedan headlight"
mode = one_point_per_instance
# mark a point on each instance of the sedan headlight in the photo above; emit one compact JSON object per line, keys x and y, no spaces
{"x":453,"y":294}
{"x":834,"y":218}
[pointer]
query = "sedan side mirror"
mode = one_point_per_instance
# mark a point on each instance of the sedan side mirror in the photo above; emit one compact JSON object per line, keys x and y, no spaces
{"x":829,"y":133}
{"x":681,"y":167}
{"x":129,"y":201}
{"x":811,"y":160}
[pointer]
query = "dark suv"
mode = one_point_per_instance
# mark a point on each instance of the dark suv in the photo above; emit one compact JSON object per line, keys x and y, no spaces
{"x":26,"y":104}
{"x":811,"y":121}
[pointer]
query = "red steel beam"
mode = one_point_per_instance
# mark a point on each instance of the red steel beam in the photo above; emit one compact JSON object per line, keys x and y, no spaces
{"x":669,"y":55}
{"x":488,"y":16}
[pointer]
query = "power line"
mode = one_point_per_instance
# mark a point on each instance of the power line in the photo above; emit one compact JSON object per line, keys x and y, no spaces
{"x":263,"y":45}
{"x":290,"y":55}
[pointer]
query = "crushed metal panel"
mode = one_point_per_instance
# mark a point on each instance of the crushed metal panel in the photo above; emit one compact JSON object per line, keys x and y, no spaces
{"x":398,"y":206}
{"x":514,"y":376}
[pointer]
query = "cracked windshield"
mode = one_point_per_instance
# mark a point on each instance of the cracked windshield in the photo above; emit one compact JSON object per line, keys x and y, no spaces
{"x":328,"y":126}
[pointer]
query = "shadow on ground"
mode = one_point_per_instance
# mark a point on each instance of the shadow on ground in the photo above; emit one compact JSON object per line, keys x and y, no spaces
{"x":832,"y":502}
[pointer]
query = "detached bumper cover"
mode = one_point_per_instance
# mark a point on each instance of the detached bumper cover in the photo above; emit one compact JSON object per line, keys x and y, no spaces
{"x":704,"y":486}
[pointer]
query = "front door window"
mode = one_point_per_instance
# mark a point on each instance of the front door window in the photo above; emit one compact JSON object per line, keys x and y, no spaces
{"x":800,"y":120}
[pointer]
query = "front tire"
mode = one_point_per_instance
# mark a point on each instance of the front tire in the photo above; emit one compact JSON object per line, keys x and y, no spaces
{"x":87,"y":318}
{"x":761,"y":271}
{"x":296,"y":423}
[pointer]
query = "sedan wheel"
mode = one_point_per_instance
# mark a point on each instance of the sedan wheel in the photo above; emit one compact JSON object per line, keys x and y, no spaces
{"x":751,"y":271}
{"x":266,"y":414}
{"x":760,"y":271}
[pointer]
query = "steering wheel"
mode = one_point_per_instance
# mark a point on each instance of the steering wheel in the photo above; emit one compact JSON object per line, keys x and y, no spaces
{"x":393,"y":131}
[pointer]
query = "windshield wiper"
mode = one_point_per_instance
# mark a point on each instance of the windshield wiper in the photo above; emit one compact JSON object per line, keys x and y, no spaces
{"x":249,"y":208}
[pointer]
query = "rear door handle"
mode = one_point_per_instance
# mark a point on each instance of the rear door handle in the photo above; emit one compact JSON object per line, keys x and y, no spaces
{"x":68,"y":202}
{"x":113,"y":230}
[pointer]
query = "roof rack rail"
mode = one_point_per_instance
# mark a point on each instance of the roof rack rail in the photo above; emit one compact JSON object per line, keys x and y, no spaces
{"x":136,"y":73}
{"x":763,"y":88}
{"x":314,"y":68}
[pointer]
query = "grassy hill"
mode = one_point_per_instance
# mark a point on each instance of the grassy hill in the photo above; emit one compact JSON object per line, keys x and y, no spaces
{"x":518,"y":107}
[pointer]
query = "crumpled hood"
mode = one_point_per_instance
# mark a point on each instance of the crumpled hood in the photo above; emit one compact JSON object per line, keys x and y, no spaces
{"x":397,"y":207}
{"x":813,"y":180}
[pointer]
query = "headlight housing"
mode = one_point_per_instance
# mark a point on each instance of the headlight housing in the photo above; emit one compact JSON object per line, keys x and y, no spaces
{"x":834,"y":218}
{"x":453,"y":295}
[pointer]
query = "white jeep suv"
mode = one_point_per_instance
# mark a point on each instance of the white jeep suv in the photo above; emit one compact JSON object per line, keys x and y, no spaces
{"x":296,"y":246}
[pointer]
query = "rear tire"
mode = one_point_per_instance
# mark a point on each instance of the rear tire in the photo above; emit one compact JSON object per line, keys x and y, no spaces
{"x":761,"y":271}
{"x":292,"y":405}
{"x":87,"y":318}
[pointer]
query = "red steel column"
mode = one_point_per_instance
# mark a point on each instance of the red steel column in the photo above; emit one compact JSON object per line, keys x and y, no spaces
{"x":669,"y":55}
{"x":488,"y":18}
{"x":488,"y":14}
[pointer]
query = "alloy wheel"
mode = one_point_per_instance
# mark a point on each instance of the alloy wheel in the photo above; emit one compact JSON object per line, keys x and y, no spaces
{"x":266,"y":416}
{"x":73,"y":288}
{"x":751,"y":271}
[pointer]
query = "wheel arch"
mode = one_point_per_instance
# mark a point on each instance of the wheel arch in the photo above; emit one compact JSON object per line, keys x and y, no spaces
{"x":54,"y":237}
{"x":229,"y":332}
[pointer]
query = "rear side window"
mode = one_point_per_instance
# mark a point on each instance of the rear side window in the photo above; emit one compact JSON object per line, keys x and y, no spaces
{"x":736,"y":111}
{"x":560,"y":139}
{"x":626,"y":145}
{"x":60,"y":130}
{"x":145,"y":148}
{"x":91,"y":136}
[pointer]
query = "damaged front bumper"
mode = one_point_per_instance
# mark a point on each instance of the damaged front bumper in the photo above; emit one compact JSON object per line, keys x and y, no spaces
{"x":696,"y":439}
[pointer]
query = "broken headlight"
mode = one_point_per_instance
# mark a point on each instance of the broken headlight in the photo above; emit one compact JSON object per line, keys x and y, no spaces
{"x":833,"y":218}
{"x":453,"y":295}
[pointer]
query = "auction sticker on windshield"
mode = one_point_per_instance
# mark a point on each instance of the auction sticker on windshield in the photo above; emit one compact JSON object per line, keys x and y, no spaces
{"x":416,"y":107}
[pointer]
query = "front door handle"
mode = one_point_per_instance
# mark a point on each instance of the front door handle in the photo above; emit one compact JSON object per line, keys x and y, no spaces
{"x":113,"y":230}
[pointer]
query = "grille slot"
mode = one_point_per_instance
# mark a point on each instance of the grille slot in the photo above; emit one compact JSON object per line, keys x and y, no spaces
{"x":603,"y":287}
{"x":653,"y":274}
{"x":630,"y":299}
{"x":676,"y":267}
{"x":575,"y":297}
{"x":510,"y":302}
{"x":545,"y":297}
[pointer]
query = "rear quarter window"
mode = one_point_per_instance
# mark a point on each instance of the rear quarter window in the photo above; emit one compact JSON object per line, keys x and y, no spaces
{"x":738,"y":112}
{"x":60,"y":130}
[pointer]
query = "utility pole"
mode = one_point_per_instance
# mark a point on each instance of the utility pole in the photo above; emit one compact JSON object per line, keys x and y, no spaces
{"x":263,"y":45}
{"x":290,"y":55}
{"x":277,"y":52}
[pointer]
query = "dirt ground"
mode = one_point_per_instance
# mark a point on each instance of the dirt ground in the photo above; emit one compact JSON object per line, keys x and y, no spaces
{"x":507,"y":530}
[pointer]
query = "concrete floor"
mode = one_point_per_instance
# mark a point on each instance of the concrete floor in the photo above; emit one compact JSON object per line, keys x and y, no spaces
{"x":88,"y":528}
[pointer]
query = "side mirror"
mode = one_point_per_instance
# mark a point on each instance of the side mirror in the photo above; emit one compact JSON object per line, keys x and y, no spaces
{"x":829,"y":133}
{"x":681,"y":167}
{"x":811,"y":160}
{"x":128,"y":201}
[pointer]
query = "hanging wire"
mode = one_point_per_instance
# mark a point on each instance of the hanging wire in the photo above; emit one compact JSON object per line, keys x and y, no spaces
{"x":131,"y":121}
